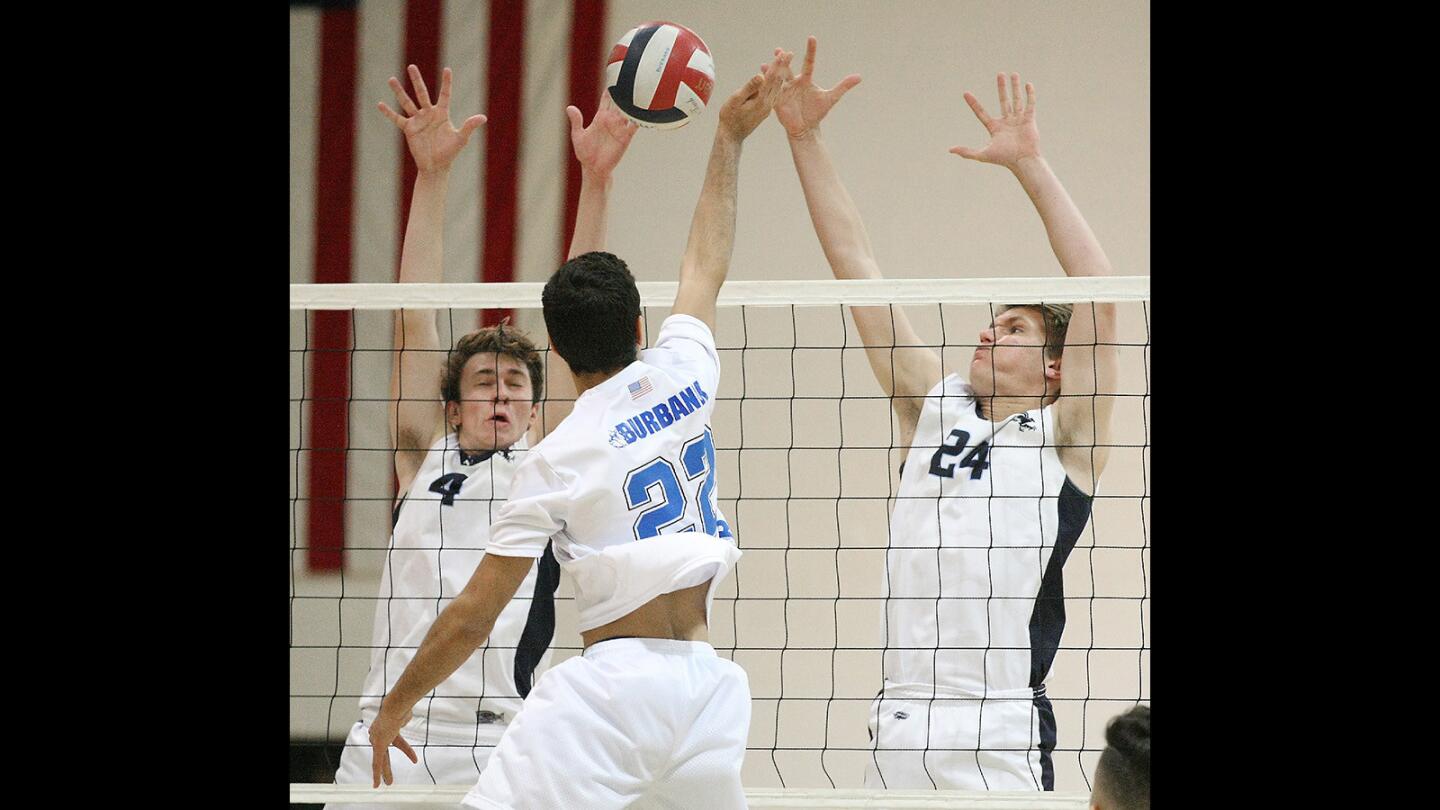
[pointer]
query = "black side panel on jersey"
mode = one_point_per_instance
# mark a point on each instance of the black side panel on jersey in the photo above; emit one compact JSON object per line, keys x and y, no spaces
{"x":1048,"y":620}
{"x":1046,"y":714}
{"x":540,"y":624}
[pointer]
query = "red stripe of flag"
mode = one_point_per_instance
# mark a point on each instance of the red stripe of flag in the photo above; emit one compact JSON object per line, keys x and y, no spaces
{"x":587,"y":69}
{"x":330,"y":364}
{"x":504,"y":81}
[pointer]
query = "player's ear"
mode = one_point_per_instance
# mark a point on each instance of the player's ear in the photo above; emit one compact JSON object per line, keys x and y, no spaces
{"x":1052,"y":368}
{"x":452,"y":415}
{"x":640,"y":330}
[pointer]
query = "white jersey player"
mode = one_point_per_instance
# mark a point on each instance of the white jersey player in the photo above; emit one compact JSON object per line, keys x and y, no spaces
{"x":626,"y":491}
{"x":995,"y":486}
{"x":455,"y":466}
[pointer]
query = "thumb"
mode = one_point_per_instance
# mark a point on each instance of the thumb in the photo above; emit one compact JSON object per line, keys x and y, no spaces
{"x":405,"y":747}
{"x":965,"y":152}
{"x":471,"y":124}
{"x":844,"y":87}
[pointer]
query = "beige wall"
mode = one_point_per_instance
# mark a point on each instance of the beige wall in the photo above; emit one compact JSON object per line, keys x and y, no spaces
{"x":929,"y":214}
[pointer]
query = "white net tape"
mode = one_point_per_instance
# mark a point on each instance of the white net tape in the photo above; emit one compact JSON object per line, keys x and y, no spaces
{"x":747,"y":293}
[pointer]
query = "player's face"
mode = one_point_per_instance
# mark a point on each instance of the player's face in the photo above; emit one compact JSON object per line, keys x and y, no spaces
{"x":496,"y":402}
{"x":1011,"y":361}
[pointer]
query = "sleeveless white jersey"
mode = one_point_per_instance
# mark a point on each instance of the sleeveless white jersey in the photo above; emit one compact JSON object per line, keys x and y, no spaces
{"x":626,"y":484}
{"x":440,"y":535}
{"x":983,"y":522}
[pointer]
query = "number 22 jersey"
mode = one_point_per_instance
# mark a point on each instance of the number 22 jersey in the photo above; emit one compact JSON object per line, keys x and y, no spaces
{"x":626,"y":484}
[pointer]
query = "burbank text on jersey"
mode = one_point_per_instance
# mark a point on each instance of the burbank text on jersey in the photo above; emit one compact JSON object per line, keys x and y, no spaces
{"x":659,"y":417}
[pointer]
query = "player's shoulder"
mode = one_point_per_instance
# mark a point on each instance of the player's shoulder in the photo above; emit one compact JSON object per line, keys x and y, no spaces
{"x":687,"y":326}
{"x":684,"y":342}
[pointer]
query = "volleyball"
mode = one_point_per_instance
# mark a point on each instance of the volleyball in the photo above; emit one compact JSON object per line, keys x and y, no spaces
{"x":660,"y":75}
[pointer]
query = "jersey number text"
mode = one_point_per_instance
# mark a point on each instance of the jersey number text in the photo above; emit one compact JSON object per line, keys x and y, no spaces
{"x":977,"y":459}
{"x":656,"y":488}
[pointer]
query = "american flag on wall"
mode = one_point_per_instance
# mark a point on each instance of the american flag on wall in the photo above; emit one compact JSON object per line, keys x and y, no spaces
{"x":510,"y":210}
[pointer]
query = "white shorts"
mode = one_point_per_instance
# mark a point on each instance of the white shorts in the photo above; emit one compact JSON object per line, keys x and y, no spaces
{"x":962,"y":744}
{"x":451,"y":762}
{"x":634,"y":722}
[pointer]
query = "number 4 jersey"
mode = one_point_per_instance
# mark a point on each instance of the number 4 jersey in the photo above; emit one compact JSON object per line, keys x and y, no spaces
{"x":441,"y":531}
{"x":983,"y":522}
{"x":626,"y":483}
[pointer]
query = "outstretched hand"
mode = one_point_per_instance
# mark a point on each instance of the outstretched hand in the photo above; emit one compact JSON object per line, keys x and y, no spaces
{"x":600,"y":146}
{"x":434,"y":141}
{"x":750,"y":105}
{"x":1013,"y":135}
{"x":802,"y":105}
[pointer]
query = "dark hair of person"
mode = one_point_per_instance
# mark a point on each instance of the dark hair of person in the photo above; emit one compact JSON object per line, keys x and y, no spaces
{"x":1122,"y":779}
{"x":591,"y":304}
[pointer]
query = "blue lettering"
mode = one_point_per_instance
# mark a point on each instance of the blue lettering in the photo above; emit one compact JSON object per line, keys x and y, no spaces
{"x":678,"y":408}
{"x":666,"y":419}
{"x":691,"y":400}
{"x":649,"y":419}
{"x":704,"y":397}
{"x":639,"y":428}
{"x":627,"y":433}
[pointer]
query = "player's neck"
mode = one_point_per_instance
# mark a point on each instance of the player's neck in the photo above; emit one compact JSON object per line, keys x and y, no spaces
{"x":998,"y":409}
{"x":584,"y":382}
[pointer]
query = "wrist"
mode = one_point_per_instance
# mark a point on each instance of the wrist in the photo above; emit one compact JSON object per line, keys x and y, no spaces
{"x":811,"y":135}
{"x":1027,"y":164}
{"x":434,"y":174}
{"x":727,"y":137}
{"x":808,"y":137}
{"x":590,"y":175}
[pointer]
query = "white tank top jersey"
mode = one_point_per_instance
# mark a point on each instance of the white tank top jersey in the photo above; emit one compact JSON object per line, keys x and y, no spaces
{"x":442,"y":527}
{"x":634,"y":461}
{"x":983,"y":522}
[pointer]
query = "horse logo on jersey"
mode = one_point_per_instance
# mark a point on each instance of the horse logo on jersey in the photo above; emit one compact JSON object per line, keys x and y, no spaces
{"x":1026,"y":422}
{"x":616,"y":440}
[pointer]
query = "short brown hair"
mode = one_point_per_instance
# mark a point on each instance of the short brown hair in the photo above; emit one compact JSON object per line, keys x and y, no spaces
{"x":1057,"y":323}
{"x":502,"y":339}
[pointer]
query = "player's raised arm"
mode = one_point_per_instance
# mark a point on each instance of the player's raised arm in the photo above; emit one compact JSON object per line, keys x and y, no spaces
{"x":1090,"y":360}
{"x":416,"y":412}
{"x":905,"y":370}
{"x":712,"y":230}
{"x":599,"y":148}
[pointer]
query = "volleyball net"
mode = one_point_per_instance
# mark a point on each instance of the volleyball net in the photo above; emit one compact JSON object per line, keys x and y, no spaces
{"x":807,"y":459}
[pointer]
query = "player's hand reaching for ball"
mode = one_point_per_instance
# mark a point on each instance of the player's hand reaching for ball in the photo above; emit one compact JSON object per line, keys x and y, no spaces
{"x":802,"y":105}
{"x":1013,"y":136}
{"x":600,"y":146}
{"x":434,"y":141}
{"x":384,"y":732}
{"x":750,"y":105}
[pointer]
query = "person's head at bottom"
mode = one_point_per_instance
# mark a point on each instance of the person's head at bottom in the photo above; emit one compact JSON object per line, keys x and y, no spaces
{"x":592,"y":311}
{"x":1122,"y":779}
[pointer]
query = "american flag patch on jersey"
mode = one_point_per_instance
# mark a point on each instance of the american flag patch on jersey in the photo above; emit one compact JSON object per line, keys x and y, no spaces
{"x":640,"y":388}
